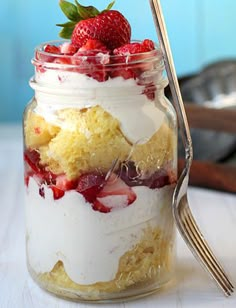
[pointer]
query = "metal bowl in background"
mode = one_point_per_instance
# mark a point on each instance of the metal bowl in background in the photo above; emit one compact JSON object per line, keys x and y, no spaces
{"x":215,"y":87}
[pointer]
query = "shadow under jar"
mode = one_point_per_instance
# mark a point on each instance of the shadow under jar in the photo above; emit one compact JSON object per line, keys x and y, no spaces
{"x":100,"y":169}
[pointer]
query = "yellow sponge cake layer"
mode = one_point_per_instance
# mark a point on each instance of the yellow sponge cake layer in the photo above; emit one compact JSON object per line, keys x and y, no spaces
{"x":37,"y":131}
{"x":149,"y":259}
{"x":90,"y":139}
{"x":156,"y":152}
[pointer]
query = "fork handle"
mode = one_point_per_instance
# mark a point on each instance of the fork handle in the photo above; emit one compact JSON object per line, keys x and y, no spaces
{"x":173,"y":80}
{"x":211,"y":175}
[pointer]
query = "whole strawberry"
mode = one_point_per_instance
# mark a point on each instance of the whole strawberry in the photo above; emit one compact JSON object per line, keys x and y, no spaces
{"x":86,"y":22}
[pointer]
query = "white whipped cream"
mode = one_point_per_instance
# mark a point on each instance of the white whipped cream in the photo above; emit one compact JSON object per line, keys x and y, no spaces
{"x":139,"y":117}
{"x":89,"y":243}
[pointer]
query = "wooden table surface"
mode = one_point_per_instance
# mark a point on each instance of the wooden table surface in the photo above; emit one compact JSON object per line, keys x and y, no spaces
{"x":214,"y":211}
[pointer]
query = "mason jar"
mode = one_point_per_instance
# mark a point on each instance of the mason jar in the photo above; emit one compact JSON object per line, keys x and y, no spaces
{"x":100,"y":155}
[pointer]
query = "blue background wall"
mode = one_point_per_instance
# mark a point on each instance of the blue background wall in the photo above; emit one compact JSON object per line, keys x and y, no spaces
{"x":200,"y":31}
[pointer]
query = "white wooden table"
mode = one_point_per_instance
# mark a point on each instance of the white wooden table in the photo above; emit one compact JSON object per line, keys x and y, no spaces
{"x":214,"y":211}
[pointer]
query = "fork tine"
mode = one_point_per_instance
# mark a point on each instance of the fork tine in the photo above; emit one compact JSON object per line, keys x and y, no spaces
{"x":206,"y":250}
{"x":206,"y":263}
{"x":202,"y":256}
{"x":206,"y":247}
{"x":210,"y":255}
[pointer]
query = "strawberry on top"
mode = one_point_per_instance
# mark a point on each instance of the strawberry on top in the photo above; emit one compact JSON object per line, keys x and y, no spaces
{"x":86,"y":22}
{"x":96,"y":39}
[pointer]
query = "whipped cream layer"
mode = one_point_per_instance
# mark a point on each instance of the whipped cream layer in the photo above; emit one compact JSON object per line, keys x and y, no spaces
{"x":89,"y":243}
{"x":139,"y":116}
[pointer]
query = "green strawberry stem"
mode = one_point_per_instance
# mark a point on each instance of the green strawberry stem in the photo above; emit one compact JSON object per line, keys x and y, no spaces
{"x":75,"y":13}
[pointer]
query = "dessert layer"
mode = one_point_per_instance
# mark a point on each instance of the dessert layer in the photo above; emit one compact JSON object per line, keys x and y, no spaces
{"x":119,"y":97}
{"x":89,"y":243}
{"x":82,"y":140}
{"x":150,"y":259}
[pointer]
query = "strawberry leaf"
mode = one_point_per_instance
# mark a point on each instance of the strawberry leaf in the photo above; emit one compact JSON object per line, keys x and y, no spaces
{"x":70,"y":10}
{"x":66,"y":32}
{"x":86,"y":11}
{"x":68,"y":24}
{"x":110,"y":6}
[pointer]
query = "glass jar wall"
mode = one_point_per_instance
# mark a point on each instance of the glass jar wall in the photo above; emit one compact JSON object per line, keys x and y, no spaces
{"x":100,"y":169}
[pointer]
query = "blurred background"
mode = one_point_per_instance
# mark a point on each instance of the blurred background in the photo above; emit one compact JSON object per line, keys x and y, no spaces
{"x":200,"y":31}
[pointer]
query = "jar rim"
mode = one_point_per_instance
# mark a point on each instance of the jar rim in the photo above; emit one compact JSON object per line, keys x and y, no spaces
{"x":41,"y":57}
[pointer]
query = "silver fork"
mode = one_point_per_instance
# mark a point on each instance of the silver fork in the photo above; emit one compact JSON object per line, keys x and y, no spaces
{"x":184,"y":220}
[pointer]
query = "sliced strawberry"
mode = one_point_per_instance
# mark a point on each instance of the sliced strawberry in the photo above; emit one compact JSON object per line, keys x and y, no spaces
{"x":63,"y":60}
{"x":115,"y":186}
{"x":46,"y":57}
{"x":115,"y":194}
{"x":122,"y":70}
{"x":26,"y":180}
{"x":35,"y":169}
{"x":91,"y":58}
{"x":95,"y":45}
{"x":58,"y":183}
{"x":150,"y":91}
{"x":105,"y":195}
{"x":57,"y":192}
{"x":68,"y":49}
{"x":98,"y":206}
{"x":130,"y":174}
{"x":52,"y":49}
{"x":64,"y":184}
{"x":89,"y":185}
{"x":160,"y":179}
{"x":32,"y":158}
{"x":148,"y":45}
{"x":127,"y":56}
{"x":135,"y":48}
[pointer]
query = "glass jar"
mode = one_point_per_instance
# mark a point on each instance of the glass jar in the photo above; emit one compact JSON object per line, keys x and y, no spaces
{"x":100,"y":169}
